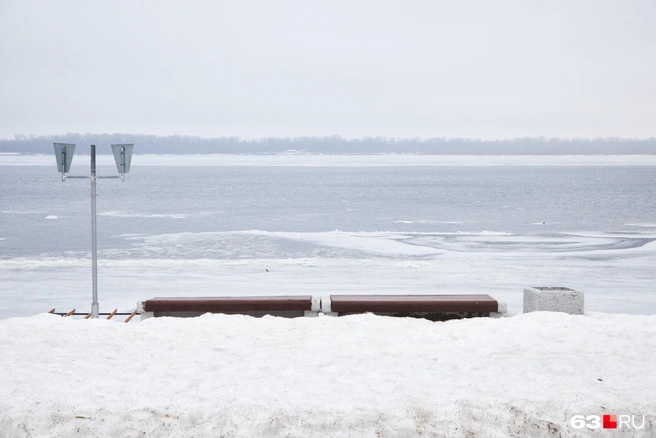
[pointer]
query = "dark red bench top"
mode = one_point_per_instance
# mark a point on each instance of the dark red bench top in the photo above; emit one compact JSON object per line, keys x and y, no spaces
{"x":413,"y":303}
{"x":228,"y":304}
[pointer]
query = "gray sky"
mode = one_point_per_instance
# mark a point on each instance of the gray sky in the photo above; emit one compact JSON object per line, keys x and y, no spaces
{"x":484,"y":69}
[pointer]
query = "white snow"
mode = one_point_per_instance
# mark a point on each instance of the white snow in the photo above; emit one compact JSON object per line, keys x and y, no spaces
{"x":346,"y":160}
{"x":360,"y":376}
{"x":51,"y":216}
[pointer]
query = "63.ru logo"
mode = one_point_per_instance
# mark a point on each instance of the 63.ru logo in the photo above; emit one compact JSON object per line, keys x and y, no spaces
{"x":607,"y":421}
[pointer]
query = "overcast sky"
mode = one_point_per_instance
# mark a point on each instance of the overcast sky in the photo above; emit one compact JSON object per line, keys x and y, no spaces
{"x":484,"y":69}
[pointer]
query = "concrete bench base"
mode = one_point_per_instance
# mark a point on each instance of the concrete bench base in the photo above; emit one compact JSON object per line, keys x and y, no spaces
{"x":553,"y":299}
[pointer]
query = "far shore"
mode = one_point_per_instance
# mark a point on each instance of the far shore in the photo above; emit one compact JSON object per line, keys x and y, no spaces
{"x":360,"y":160}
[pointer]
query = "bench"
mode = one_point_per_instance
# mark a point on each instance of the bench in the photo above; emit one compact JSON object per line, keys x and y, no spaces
{"x":434,"y":307}
{"x":287,"y":306}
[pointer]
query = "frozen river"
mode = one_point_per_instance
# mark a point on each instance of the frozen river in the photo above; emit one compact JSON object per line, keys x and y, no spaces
{"x":205,"y":225}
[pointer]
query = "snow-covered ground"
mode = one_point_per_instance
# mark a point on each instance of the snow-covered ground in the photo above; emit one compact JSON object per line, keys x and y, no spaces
{"x":361,"y":376}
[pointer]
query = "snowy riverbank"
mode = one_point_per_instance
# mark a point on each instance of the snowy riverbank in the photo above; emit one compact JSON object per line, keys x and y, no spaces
{"x":364,"y":375}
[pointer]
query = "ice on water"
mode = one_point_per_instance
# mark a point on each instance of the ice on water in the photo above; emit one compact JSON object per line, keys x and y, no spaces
{"x":331,"y":228}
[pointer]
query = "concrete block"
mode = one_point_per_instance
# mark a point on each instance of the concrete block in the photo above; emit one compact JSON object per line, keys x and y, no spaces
{"x":326,"y":304}
{"x":146,"y":315}
{"x":501,"y":310}
{"x":553,"y":299}
{"x":316,"y":304}
{"x":142,"y":312}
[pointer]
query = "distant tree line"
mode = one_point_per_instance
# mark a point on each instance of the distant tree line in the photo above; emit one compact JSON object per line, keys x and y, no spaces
{"x":183,"y":144}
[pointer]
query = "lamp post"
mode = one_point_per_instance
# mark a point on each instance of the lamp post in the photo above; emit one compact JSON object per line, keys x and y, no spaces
{"x":122,"y":155}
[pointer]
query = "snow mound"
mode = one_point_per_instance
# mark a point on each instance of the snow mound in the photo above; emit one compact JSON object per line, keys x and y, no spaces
{"x":361,"y":376}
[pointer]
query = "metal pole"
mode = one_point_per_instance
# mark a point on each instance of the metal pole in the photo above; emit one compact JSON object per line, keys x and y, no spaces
{"x":63,"y":158}
{"x":122,"y":163}
{"x":94,"y":249}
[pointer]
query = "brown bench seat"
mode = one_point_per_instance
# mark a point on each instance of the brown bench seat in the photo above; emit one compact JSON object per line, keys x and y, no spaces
{"x":406,"y":305}
{"x":255,"y":306}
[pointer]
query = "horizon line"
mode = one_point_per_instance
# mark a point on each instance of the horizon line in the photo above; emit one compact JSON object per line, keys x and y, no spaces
{"x":335,"y":136}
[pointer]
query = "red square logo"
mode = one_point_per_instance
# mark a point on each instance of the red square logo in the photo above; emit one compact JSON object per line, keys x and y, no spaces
{"x":610,"y":421}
